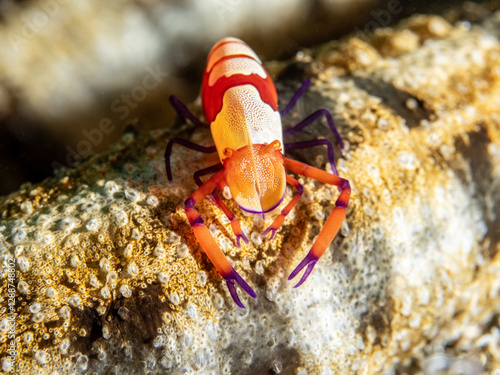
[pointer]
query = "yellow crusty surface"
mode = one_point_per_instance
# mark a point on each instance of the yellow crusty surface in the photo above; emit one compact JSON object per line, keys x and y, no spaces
{"x":110,"y":279}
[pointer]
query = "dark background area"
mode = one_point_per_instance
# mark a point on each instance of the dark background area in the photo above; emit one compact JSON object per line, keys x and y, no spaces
{"x":32,"y":143}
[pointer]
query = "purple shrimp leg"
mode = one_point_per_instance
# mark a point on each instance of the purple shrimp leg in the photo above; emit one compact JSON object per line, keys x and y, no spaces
{"x":302,"y":89}
{"x":310,"y":119}
{"x":185,"y":113}
{"x":205,"y":171}
{"x":312,"y":143}
{"x":183,"y":142}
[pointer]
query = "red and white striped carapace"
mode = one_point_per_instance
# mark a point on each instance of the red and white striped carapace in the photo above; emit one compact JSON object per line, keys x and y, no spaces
{"x":241,"y":105}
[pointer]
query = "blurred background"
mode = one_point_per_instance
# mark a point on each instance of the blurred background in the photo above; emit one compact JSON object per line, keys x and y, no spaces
{"x":75,"y":74}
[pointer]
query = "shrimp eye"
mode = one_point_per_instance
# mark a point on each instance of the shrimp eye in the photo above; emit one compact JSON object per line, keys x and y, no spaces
{"x":228,"y":152}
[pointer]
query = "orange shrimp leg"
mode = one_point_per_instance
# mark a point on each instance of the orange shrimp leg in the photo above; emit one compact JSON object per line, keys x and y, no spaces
{"x":312,"y":143}
{"x":205,"y":171}
{"x":235,"y":224}
{"x":207,"y":241}
{"x":216,"y":199}
{"x":334,"y":220}
{"x":278,"y":222}
{"x":202,"y":172}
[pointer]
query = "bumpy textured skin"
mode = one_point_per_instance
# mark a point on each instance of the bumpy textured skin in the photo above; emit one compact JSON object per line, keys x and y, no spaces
{"x":241,"y":105}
